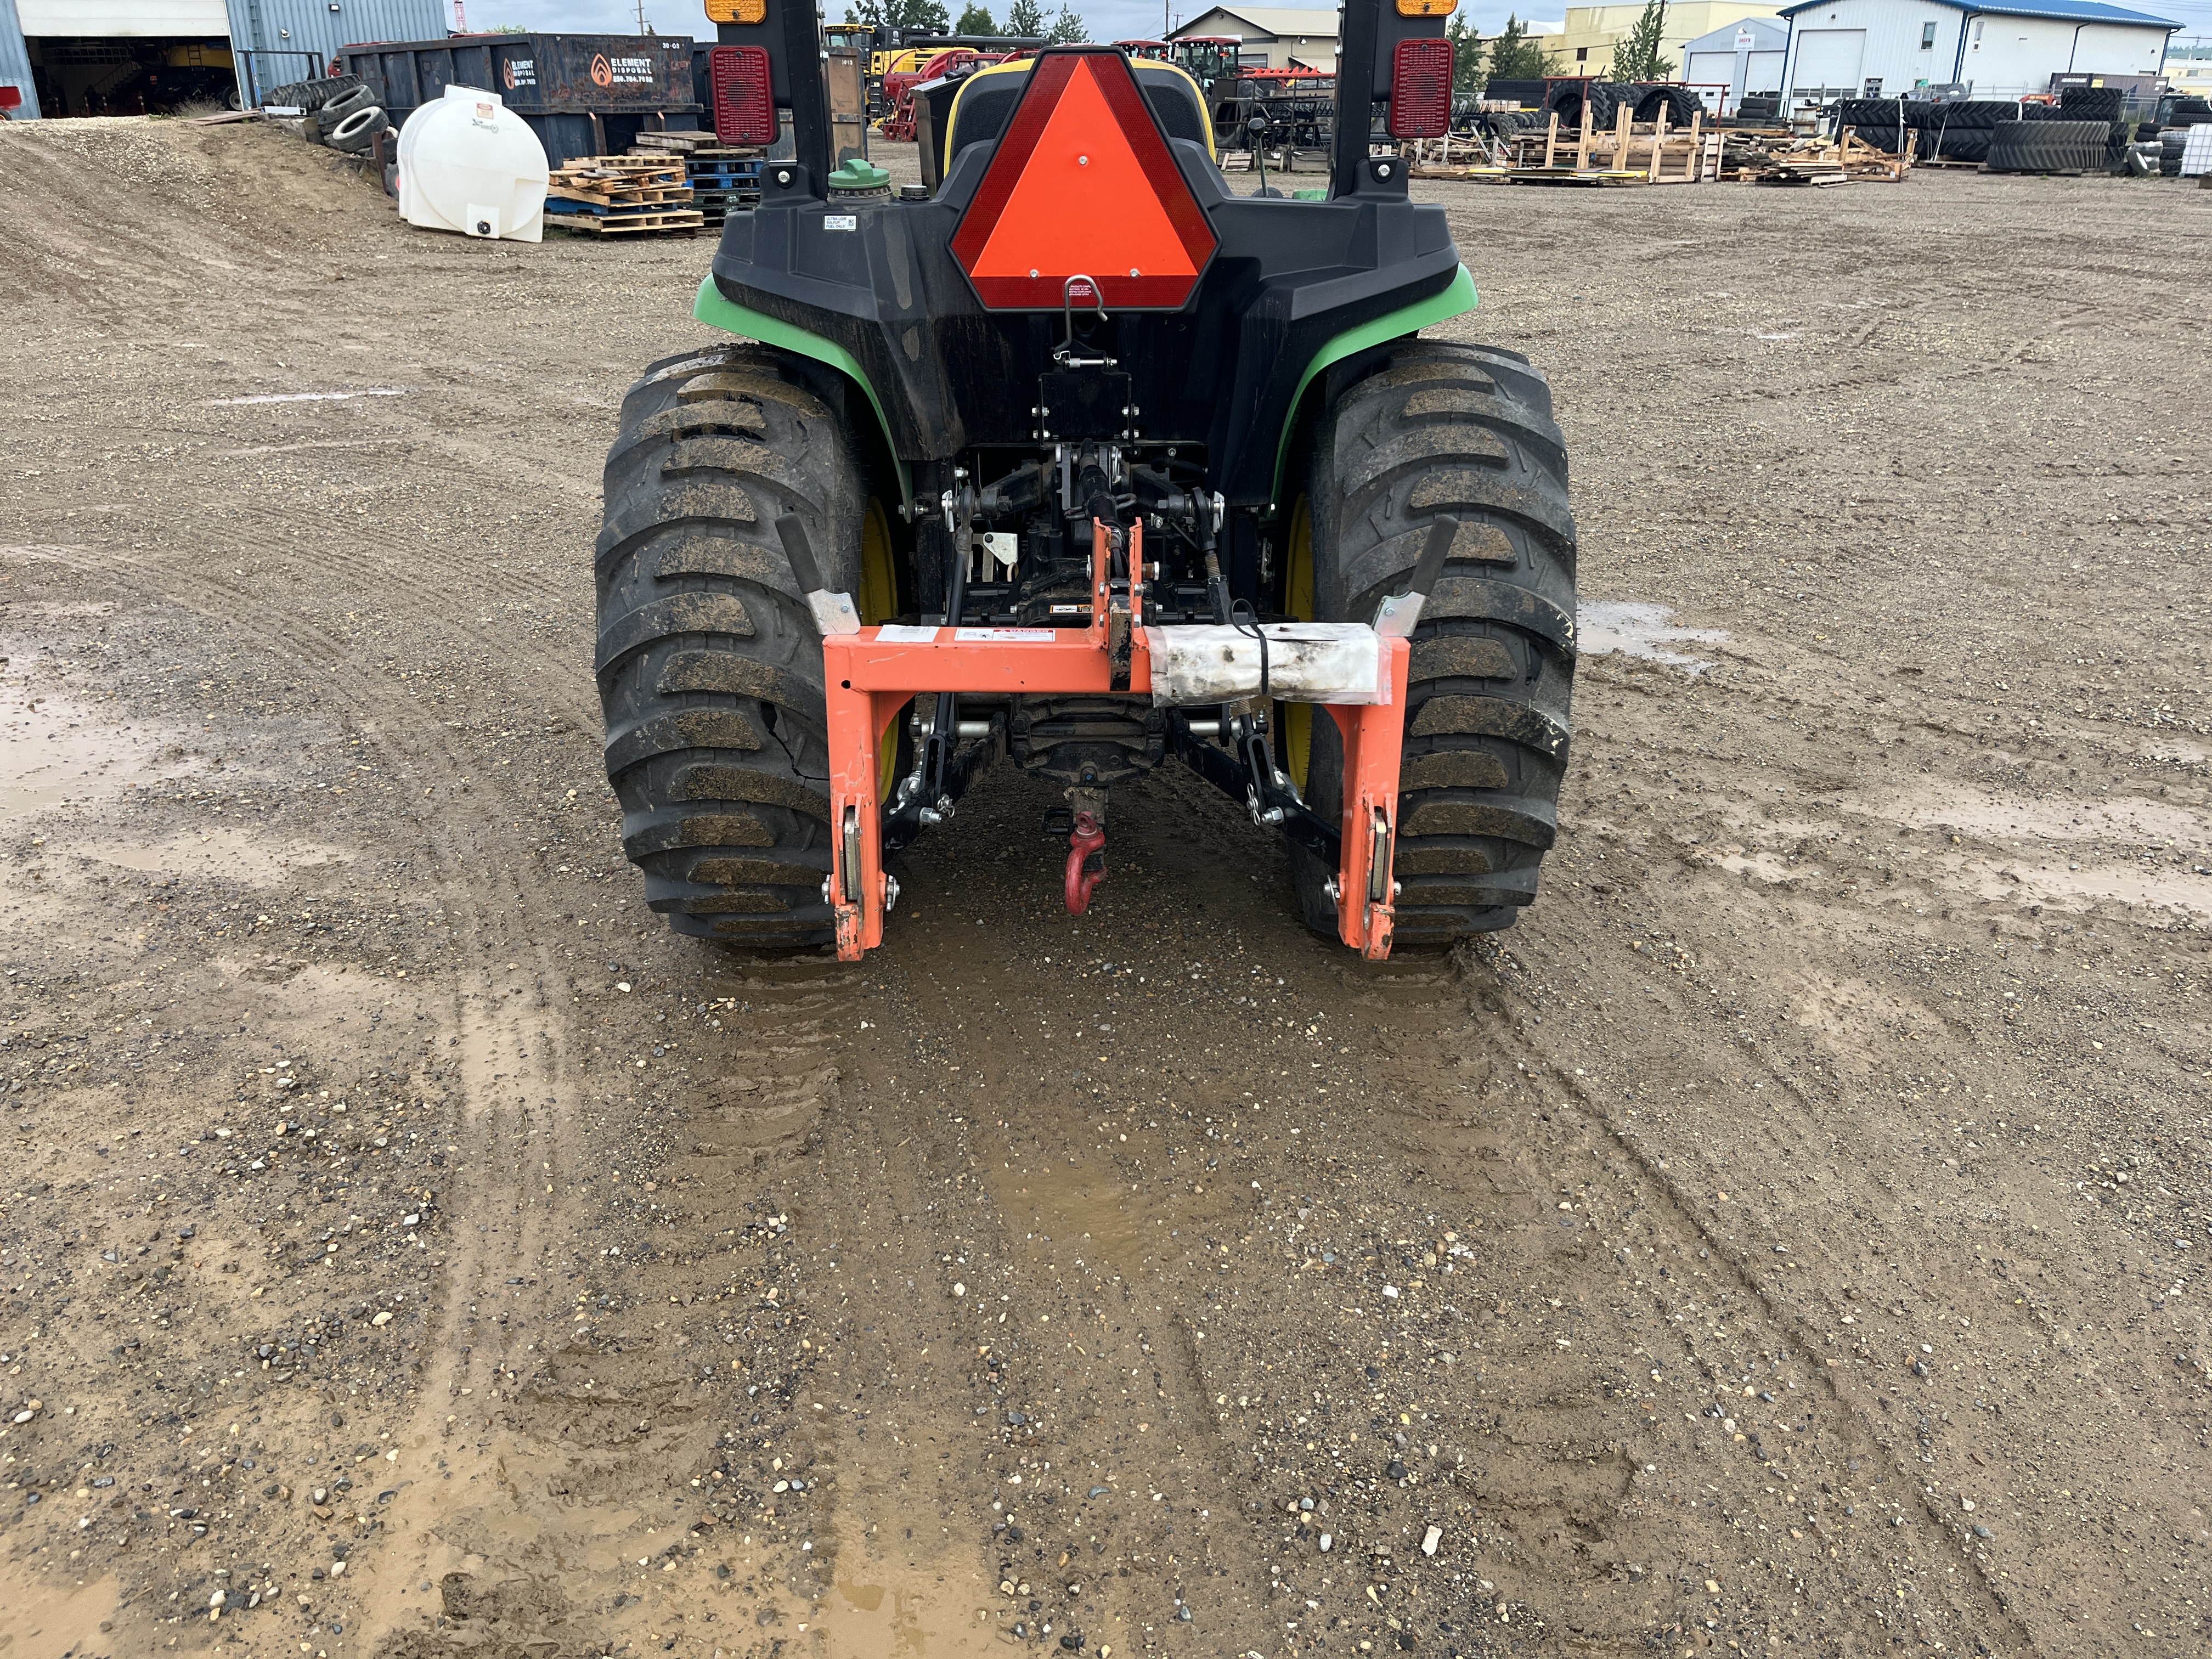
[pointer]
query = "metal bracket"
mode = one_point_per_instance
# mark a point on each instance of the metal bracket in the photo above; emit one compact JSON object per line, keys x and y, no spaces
{"x":1400,"y":614}
{"x":1064,"y":353}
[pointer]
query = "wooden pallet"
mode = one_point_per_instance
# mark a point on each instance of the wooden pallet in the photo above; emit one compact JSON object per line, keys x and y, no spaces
{"x":1802,"y":173}
{"x":671,"y":165}
{"x":560,"y":198}
{"x":1621,"y":154}
{"x":628,"y":223}
{"x":1848,"y":160}
{"x":1596,"y":177}
{"x":678,"y":144}
{"x":605,"y":176}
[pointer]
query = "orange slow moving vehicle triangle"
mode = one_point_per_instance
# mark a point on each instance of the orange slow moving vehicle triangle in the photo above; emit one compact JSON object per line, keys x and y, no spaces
{"x":1078,"y":196}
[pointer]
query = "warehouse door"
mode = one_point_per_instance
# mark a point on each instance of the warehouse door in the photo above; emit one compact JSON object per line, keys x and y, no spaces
{"x":1828,"y":64}
{"x":1712,"y":68}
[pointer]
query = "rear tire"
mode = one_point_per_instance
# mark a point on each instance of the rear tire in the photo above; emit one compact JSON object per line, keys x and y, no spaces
{"x":709,"y":665}
{"x":1464,"y":430}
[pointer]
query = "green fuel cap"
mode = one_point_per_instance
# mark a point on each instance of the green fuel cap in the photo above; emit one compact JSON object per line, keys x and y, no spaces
{"x":858,"y":174}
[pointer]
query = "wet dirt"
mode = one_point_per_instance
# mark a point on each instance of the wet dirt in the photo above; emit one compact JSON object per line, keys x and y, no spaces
{"x":1788,"y":1238}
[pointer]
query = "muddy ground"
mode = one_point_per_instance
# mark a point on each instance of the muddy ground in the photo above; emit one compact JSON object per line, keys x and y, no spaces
{"x":1790,"y":1238}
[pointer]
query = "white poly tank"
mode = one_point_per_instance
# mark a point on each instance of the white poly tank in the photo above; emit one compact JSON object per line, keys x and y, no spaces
{"x":469,"y":163}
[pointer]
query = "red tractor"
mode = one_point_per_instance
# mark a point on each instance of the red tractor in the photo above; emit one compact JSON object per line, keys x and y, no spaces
{"x":898,"y":86}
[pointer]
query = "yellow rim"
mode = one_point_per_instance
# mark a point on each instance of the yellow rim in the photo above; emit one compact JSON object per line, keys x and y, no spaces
{"x":878,"y":575}
{"x":1298,"y":592}
{"x":879,"y":603}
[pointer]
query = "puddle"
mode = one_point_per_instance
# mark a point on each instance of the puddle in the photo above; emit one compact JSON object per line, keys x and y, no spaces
{"x":2058,"y":888}
{"x":60,"y":757}
{"x":1969,"y":810}
{"x":230,"y":854}
{"x":48,"y":1617}
{"x":1605,"y":626}
{"x":57,"y":609}
{"x":1087,"y":1210}
{"x":56,"y":751}
{"x":917,"y":1608}
{"x":2067,"y":854}
{"x":308,"y":397}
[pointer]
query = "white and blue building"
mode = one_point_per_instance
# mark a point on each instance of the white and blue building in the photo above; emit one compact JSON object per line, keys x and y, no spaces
{"x":1886,"y":48}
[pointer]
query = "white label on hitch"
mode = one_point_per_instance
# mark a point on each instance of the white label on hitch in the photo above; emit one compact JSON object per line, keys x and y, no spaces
{"x":840,"y":222}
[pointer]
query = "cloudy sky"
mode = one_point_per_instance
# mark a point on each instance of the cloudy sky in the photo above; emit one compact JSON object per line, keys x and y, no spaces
{"x":1109,"y":20}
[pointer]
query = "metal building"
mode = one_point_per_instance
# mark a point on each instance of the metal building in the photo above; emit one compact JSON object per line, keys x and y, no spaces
{"x":1746,"y":57}
{"x":19,"y":90}
{"x":77,"y":58}
{"x":319,"y":27}
{"x":1886,"y":48}
{"x":1290,"y":37}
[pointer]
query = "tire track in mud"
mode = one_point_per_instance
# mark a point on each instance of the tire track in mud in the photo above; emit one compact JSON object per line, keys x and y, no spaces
{"x":515,"y":1107}
{"x":1537,"y":1453}
{"x":1778,"y":1341}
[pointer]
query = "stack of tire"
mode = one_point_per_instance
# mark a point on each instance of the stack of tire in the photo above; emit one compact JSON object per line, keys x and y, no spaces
{"x":1960,"y":132}
{"x":1881,"y":122}
{"x":1503,"y":125}
{"x":2184,"y":113}
{"x":2048,"y":143}
{"x":1680,"y":105}
{"x":340,"y":112}
{"x":2107,"y":104}
{"x":1601,"y":98}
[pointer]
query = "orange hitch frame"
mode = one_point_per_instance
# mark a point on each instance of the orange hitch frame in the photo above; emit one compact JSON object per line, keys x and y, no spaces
{"x":873,"y":673}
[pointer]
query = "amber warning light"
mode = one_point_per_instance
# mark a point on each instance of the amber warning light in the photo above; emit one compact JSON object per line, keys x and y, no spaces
{"x":1083,"y":181}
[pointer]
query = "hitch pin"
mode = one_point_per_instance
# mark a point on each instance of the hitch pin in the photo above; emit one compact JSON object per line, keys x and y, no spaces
{"x":1064,"y":354}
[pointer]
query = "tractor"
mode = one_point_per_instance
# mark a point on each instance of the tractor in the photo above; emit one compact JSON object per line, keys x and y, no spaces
{"x":1080,"y":462}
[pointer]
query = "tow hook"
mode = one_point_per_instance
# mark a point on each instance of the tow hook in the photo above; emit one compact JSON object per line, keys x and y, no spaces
{"x":1086,"y":862}
{"x":1086,"y":846}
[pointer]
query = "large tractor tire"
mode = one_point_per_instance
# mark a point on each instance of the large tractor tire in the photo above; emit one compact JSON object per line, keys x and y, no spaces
{"x":1466,"y":431}
{"x":709,"y":665}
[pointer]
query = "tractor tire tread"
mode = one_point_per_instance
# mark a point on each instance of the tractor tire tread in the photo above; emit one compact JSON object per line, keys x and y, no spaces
{"x":1442,"y":427}
{"x":708,"y":662}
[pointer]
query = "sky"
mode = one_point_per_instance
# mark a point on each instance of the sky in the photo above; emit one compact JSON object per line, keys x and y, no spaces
{"x":1109,"y":20}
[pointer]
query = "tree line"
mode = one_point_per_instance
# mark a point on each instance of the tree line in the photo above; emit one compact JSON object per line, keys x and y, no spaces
{"x":1514,"y":54}
{"x":1023,"y":17}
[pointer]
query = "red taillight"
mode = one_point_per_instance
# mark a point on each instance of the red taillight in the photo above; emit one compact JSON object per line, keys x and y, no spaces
{"x":744,"y":93}
{"x":11,"y":98}
{"x":1421,"y":89}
